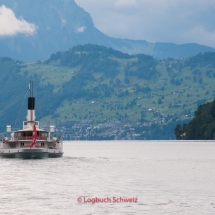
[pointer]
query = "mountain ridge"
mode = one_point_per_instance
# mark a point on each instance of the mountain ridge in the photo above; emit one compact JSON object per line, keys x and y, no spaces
{"x":62,"y":24}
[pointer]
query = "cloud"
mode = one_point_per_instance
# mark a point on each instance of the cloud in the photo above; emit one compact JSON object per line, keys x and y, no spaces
{"x":204,"y":36}
{"x":10,"y":25}
{"x":63,"y":21}
{"x":125,"y":3}
{"x":178,"y":21}
{"x":80,"y":29}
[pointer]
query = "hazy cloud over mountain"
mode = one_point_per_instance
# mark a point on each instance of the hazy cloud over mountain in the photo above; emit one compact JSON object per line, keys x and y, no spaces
{"x":80,"y":29}
{"x":178,"y":21}
{"x":10,"y":25}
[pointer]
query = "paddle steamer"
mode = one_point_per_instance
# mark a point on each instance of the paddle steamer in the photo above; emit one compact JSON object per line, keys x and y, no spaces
{"x":31,"y":141}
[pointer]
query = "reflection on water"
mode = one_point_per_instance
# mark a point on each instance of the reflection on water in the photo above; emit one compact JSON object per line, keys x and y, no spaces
{"x":166,"y":177}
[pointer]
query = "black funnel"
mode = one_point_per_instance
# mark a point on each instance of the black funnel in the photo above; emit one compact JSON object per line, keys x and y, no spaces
{"x":31,"y":103}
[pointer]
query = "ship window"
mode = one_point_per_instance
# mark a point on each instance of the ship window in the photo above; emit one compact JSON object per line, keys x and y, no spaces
{"x":18,"y":134}
{"x":44,"y":134}
{"x":29,"y":133}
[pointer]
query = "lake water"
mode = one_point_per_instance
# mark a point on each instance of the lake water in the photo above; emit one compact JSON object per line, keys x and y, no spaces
{"x":157,"y":177}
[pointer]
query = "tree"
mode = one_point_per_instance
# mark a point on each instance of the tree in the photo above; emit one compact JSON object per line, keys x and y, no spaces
{"x":201,"y":127}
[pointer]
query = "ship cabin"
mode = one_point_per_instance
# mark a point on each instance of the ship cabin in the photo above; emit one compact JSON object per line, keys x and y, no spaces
{"x":27,"y":134}
{"x":23,"y":138}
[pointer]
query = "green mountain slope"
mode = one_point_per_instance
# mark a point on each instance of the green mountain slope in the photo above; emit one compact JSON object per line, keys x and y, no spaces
{"x":99,"y":85}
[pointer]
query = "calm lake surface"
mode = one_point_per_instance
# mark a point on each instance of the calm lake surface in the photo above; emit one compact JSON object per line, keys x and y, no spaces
{"x":157,"y":177}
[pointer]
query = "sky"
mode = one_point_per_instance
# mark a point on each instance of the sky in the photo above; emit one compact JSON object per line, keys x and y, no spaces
{"x":177,"y":21}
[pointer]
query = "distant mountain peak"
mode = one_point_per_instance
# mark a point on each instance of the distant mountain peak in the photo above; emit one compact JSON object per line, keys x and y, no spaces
{"x":45,"y":27}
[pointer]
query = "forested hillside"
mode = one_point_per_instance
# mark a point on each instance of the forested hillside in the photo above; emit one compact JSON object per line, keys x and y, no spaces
{"x":131,"y":96}
{"x":201,"y":127}
{"x":11,"y":93}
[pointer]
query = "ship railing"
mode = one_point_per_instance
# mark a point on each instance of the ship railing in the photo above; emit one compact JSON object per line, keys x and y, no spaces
{"x":30,"y":138}
{"x":35,"y":146}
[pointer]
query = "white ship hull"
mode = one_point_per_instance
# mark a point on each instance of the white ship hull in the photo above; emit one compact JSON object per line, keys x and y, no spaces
{"x":31,"y":153}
